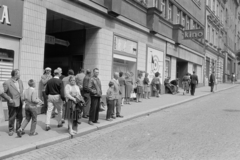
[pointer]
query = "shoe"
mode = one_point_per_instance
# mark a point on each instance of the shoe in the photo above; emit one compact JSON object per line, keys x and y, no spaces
{"x":59,"y":125}
{"x":79,"y":122}
{"x":48,"y":128}
{"x":113,"y":117}
{"x":109,"y":119}
{"x":33,"y":134}
{"x":119,"y":116}
{"x":90,"y":122}
{"x":11,"y":133}
{"x":19,"y":132}
{"x":84,"y":116}
{"x":96,"y":122}
{"x":23,"y":132}
{"x":63,"y":121}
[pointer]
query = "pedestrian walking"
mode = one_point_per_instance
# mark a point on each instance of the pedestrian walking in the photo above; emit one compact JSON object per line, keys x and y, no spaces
{"x":139,"y":84}
{"x":14,"y":95}
{"x":156,"y":84}
{"x":117,"y":97}
{"x":146,"y":84}
{"x":31,"y":101}
{"x":44,"y":79}
{"x":122,"y":84}
{"x":129,"y":87}
{"x":110,"y":101}
{"x":66,"y":79}
{"x":233,"y":78}
{"x":74,"y":105}
{"x":194,"y":83}
{"x":95,"y":89}
{"x":86,"y":94}
{"x":185,"y":83}
{"x":212,"y":81}
{"x":55,"y":93}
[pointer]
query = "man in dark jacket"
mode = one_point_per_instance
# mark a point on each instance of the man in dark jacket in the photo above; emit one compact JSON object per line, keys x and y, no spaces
{"x":212,"y":81}
{"x":86,"y":94}
{"x":194,"y":83}
{"x":55,"y":92}
{"x":95,"y":89}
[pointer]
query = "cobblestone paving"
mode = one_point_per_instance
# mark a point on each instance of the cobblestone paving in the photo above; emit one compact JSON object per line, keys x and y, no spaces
{"x":204,"y":129}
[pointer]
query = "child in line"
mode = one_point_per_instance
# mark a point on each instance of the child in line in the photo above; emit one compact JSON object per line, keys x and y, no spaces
{"x":110,"y":101}
{"x":31,"y":100}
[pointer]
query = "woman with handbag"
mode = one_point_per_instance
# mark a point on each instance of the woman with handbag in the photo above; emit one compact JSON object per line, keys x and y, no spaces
{"x":128,"y":87}
{"x":74,"y":105}
{"x":156,"y":84}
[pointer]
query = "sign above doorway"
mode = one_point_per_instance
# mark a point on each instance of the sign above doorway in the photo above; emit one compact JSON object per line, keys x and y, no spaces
{"x":52,"y":40}
{"x":193,"y":34}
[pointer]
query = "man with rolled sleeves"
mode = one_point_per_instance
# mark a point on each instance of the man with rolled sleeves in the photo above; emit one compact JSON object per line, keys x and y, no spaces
{"x":13,"y":89}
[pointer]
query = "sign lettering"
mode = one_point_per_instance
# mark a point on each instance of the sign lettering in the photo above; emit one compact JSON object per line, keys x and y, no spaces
{"x":5,"y":16}
{"x":193,"y":34}
{"x":52,"y":40}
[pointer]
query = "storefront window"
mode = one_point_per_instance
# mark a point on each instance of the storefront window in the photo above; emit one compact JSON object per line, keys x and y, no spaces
{"x":167,"y":67}
{"x":6,"y":64}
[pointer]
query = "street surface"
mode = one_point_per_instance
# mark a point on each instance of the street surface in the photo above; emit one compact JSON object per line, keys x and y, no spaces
{"x":204,"y":129}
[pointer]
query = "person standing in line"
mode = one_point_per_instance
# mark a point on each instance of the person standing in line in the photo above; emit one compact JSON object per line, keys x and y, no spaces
{"x":55,"y":93}
{"x":139,"y":84}
{"x":146,"y":83}
{"x":66,"y":79}
{"x":86,"y":94}
{"x":14,"y":96}
{"x":122,"y":84}
{"x":61,"y":76}
{"x":44,"y":79}
{"x":73,"y":105}
{"x":117,"y":96}
{"x":129,"y":87}
{"x":185,"y":83}
{"x":110,"y":101}
{"x":31,"y":101}
{"x":194,"y":83}
{"x":156,"y":84}
{"x":79,"y":79}
{"x":212,"y":81}
{"x":95,"y":89}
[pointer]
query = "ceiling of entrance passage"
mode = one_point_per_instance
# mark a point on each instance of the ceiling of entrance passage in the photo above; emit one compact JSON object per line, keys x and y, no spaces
{"x":57,"y":22}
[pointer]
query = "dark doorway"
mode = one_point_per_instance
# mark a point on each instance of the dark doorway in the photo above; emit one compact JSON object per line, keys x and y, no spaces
{"x":65,"y":42}
{"x":182,"y":69}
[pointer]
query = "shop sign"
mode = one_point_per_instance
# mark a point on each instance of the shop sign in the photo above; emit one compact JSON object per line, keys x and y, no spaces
{"x":154,"y":62}
{"x":52,"y":40}
{"x":125,"y":45}
{"x":11,"y":17}
{"x":193,"y":34}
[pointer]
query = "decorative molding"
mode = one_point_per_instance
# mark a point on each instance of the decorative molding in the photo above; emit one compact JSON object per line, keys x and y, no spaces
{"x":197,"y":3}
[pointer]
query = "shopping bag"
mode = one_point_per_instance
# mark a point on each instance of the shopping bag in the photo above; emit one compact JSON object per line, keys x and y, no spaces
{"x":133,"y":95}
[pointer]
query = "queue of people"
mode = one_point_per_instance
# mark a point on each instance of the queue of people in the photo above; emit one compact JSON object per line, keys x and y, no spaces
{"x":80,"y":96}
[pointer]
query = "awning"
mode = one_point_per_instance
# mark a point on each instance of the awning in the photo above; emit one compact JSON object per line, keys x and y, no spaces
{"x":126,"y":58}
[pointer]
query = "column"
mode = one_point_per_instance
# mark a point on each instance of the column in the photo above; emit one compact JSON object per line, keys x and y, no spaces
{"x":173,"y":68}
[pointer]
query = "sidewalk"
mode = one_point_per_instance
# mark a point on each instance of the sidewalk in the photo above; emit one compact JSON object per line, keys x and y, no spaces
{"x":13,"y":145}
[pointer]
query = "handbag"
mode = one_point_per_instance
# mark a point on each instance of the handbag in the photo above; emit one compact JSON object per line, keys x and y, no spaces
{"x":133,"y":95}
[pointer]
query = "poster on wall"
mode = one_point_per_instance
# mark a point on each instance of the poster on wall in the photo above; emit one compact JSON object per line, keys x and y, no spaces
{"x":154,"y":62}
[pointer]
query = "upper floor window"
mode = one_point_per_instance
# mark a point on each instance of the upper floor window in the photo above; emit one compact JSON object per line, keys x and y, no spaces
{"x":208,"y":33}
{"x":183,"y":20}
{"x":155,"y":3}
{"x":170,"y":11}
{"x":163,"y":7}
{"x":217,"y":10}
{"x":209,"y":3}
{"x":213,"y":33}
{"x":216,"y":41}
{"x":194,"y":25}
{"x":178,"y":16}
{"x":213,"y":6}
{"x":187,"y":23}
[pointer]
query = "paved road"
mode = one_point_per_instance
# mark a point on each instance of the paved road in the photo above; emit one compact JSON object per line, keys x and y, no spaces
{"x":207,"y":128}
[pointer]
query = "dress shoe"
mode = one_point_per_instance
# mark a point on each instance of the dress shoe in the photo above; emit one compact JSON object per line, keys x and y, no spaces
{"x":96,"y":122}
{"x":90,"y":122}
{"x":85,"y":116}
{"x":119,"y":116}
{"x":79,"y":122}
{"x":19,"y":132}
{"x":33,"y":134}
{"x":59,"y":125}
{"x":109,"y":119}
{"x":11,"y":133}
{"x":48,"y":128}
{"x":113,"y":117}
{"x":63,"y":121}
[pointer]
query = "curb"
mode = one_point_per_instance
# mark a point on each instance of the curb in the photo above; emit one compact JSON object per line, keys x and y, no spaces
{"x":64,"y":137}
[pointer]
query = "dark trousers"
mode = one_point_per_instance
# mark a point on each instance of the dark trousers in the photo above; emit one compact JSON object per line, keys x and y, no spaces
{"x":110,"y":105}
{"x":193,"y":87}
{"x":31,"y":113}
{"x":15,"y":113}
{"x":45,"y":106}
{"x":117,"y":105}
{"x":94,"y":109}
{"x":87,"y":100}
{"x":212,"y":87}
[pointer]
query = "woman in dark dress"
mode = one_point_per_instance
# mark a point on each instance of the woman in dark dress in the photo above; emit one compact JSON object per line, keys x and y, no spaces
{"x":74,"y":105}
{"x":128,"y":87}
{"x":122,"y":84}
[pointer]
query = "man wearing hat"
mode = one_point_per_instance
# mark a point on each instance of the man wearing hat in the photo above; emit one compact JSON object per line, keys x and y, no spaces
{"x":55,"y":92}
{"x":44,"y":79}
